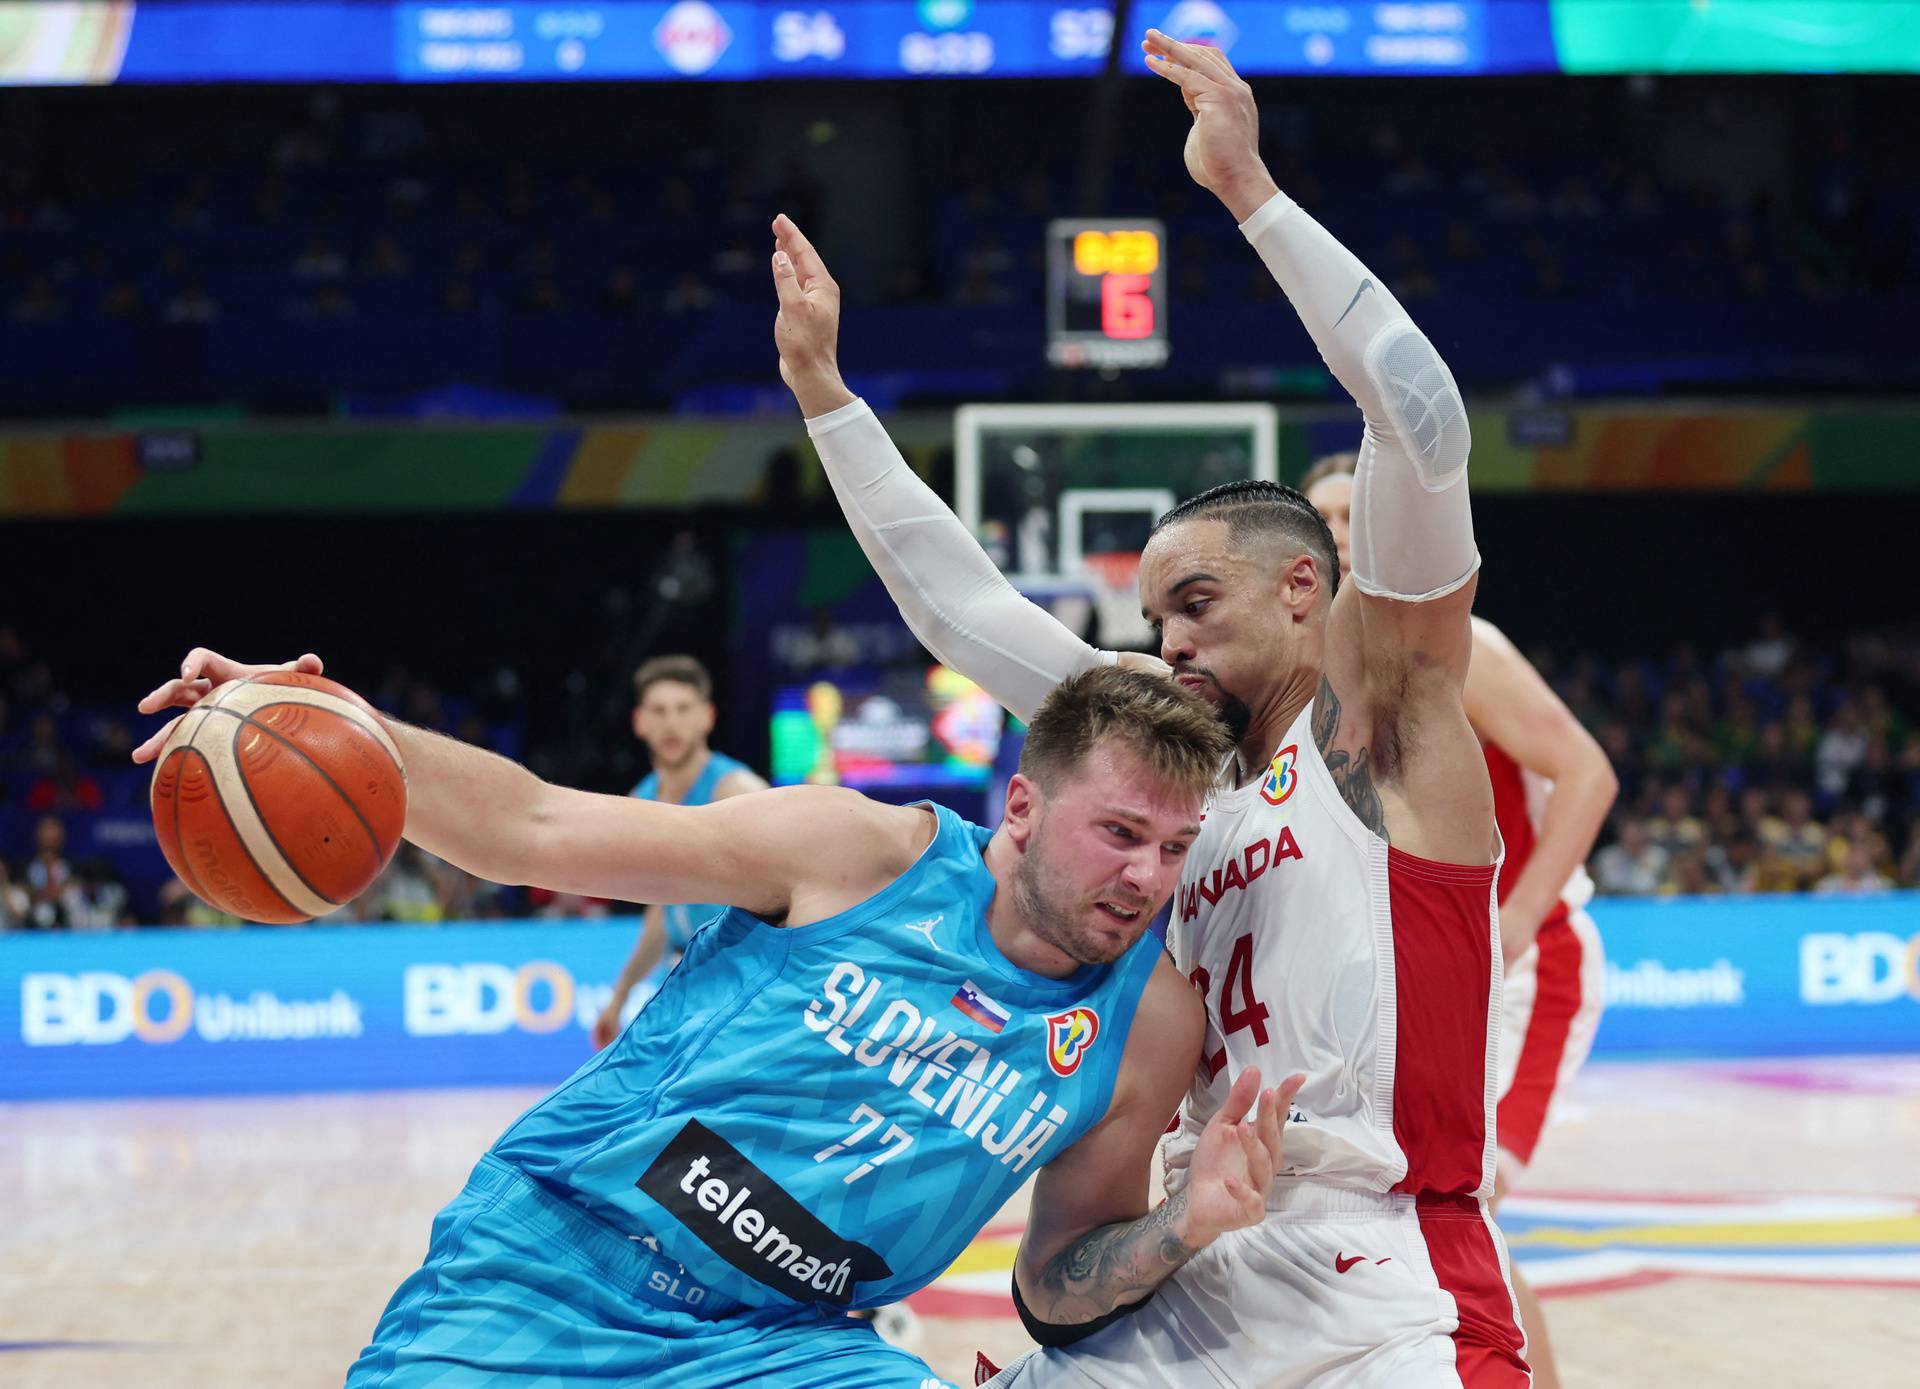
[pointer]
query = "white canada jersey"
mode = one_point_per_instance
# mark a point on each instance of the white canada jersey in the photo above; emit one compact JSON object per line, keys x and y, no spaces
{"x":1321,"y":949}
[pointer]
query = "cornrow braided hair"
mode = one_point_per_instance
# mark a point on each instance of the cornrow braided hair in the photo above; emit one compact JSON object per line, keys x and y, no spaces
{"x":1251,"y":506}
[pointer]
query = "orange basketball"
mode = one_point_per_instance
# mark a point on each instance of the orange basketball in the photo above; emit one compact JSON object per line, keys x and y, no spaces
{"x":280,"y":797}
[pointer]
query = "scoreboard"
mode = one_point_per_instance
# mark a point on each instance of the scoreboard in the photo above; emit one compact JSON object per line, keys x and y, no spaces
{"x":57,"y":42}
{"x":1106,"y":292}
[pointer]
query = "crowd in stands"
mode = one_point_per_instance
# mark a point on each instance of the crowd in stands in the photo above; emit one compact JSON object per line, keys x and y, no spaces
{"x":331,"y":214}
{"x":387,"y":204}
{"x":1767,"y":767}
{"x":1763,"y":768}
{"x":1479,"y":224}
{"x":412,"y":215}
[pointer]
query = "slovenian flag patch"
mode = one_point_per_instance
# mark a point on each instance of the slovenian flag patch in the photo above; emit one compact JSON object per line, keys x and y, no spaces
{"x":976,"y":1005}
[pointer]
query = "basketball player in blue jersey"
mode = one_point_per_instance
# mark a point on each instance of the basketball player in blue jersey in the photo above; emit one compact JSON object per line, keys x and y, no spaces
{"x":899,"y":1020}
{"x":673,"y":715}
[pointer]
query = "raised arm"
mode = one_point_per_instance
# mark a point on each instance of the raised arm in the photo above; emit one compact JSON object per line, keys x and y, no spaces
{"x":1398,"y":640}
{"x":952,"y":596}
{"x":793,"y":855}
{"x":1412,"y":524}
{"x":1511,"y":706}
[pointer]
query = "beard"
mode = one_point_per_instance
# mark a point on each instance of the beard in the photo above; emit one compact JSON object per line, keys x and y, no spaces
{"x":1231,"y":710}
{"x":1053,"y":913}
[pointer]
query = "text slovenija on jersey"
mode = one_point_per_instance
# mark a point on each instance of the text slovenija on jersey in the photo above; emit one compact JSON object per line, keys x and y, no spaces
{"x":830,"y":1113}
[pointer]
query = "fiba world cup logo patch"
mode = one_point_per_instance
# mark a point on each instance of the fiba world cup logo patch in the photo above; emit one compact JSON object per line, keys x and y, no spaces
{"x":1281,"y":775}
{"x":1069,"y":1036}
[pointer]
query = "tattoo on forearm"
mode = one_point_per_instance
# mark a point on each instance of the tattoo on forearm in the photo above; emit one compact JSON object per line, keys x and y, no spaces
{"x":1352,"y":772}
{"x":1113,"y":1265}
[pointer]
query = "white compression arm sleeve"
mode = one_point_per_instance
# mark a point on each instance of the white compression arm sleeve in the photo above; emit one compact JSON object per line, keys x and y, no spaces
{"x":951,"y":594}
{"x":1412,"y":522}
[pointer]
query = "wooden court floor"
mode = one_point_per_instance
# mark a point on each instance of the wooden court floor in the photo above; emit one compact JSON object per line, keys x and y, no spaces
{"x":1735,"y":1224}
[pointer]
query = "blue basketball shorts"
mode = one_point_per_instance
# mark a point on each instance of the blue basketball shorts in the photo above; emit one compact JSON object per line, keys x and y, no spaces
{"x":521,"y":1288}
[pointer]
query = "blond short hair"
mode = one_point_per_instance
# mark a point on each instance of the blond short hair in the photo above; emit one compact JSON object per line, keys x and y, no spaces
{"x":1182,"y":741}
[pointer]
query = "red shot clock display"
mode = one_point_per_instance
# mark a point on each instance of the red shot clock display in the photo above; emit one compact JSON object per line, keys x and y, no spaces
{"x":1106,"y":292}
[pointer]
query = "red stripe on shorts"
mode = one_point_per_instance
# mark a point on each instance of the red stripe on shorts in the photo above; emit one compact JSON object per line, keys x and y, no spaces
{"x":1488,"y":1346}
{"x":1556,"y":1001}
{"x":1443,"y":976}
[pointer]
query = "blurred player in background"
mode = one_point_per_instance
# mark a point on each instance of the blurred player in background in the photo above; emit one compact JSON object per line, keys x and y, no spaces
{"x":1337,"y":912}
{"x":673,"y":715}
{"x":1552,"y":788}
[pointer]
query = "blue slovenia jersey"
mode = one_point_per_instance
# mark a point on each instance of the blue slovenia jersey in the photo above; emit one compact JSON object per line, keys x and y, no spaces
{"x":683,"y":921}
{"x":829,"y":1113}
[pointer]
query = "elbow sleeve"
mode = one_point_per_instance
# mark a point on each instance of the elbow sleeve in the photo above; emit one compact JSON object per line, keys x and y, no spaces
{"x":951,"y":594}
{"x":1412,"y":521}
{"x":1422,"y":405}
{"x":1412,"y":517}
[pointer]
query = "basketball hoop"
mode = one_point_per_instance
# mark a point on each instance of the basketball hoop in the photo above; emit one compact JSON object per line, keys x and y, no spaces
{"x":1114,"y":578}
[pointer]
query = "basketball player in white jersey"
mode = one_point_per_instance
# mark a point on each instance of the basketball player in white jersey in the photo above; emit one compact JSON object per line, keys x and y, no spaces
{"x":1337,"y":912}
{"x":1552,"y":788}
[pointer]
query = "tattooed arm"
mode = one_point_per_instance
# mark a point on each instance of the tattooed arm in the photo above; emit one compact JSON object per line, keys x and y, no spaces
{"x":1391,"y":724}
{"x":1112,"y":1266}
{"x":1353,"y":770}
{"x":1092,"y":1244}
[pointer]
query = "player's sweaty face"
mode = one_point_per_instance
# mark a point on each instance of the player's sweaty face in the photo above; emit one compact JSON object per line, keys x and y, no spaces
{"x":1212,"y":602}
{"x":1105,"y":855}
{"x":1332,"y":497}
{"x":674,"y":721}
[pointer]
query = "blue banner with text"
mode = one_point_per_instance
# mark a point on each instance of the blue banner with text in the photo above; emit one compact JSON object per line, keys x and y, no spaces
{"x":1760,"y":976}
{"x":179,"y":1012}
{"x":165,"y":1012}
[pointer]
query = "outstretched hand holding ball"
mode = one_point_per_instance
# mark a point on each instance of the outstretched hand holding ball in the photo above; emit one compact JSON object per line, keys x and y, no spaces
{"x":279,"y":795}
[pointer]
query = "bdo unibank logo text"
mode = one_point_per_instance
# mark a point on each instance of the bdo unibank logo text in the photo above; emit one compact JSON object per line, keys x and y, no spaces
{"x":1858,"y":967}
{"x":444,"y":1000}
{"x":98,"y":1007}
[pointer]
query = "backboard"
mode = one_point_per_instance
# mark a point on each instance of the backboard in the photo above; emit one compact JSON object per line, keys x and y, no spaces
{"x":1048,"y":489}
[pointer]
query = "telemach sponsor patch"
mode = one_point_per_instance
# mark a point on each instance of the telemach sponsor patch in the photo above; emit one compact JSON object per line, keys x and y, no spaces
{"x":752,"y":1222}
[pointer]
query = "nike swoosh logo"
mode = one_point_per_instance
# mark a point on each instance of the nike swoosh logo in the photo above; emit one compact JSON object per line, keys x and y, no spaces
{"x":1341,"y":1263}
{"x":1365,"y":285}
